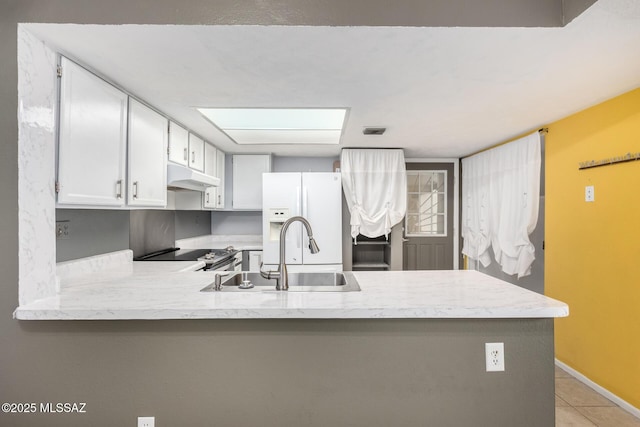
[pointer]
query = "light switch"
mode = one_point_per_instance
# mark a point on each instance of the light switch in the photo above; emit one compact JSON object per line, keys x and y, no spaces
{"x":589,"y":195}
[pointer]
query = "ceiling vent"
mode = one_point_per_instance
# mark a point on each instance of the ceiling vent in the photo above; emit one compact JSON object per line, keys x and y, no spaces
{"x":374,"y":131}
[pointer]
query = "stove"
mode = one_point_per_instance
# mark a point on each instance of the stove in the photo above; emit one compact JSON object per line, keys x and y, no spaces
{"x":215,"y":259}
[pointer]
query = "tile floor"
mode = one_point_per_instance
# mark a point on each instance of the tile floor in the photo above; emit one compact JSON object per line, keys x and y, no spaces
{"x":579,"y":406}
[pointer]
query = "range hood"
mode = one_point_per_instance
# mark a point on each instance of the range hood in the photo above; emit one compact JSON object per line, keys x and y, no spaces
{"x":182,"y":177}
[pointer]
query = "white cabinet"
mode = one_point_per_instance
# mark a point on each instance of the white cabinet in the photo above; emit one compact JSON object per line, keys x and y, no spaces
{"x":210,"y":168}
{"x":255,"y":259}
{"x":247,"y":180}
{"x":220,"y":158}
{"x":196,"y":153}
{"x":178,"y":144}
{"x":92,"y":143}
{"x":210,"y":161}
{"x":147,"y":182}
{"x":213,"y":197}
{"x":209,"y":198}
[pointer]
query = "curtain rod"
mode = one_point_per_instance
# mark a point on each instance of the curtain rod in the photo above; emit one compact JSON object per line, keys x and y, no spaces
{"x":543,"y":131}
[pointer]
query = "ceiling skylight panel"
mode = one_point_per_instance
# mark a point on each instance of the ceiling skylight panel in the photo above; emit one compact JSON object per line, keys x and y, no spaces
{"x":250,"y":136}
{"x":279,"y":125}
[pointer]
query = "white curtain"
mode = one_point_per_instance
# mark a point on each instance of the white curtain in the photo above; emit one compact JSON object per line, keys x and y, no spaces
{"x":375,"y":188}
{"x":475,"y":207}
{"x":501,"y":190}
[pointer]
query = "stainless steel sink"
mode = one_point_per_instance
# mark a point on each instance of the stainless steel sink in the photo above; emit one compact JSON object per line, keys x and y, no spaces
{"x":298,"y":282}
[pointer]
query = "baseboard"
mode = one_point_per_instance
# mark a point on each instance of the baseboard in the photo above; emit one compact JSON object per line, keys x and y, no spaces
{"x":599,"y":389}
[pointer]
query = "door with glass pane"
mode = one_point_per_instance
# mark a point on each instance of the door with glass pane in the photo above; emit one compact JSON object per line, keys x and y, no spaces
{"x":428,"y":226}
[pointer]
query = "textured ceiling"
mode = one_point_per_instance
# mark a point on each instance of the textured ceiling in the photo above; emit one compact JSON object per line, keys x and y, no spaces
{"x":440,"y":92}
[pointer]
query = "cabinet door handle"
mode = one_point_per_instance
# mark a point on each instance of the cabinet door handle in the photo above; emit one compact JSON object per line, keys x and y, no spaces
{"x":185,"y":154}
{"x":119,"y":189}
{"x":207,"y":197}
{"x":193,"y":157}
{"x":135,"y":189}
{"x":219,"y":199}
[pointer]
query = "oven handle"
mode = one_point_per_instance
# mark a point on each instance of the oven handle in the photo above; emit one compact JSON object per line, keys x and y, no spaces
{"x":226,"y":265}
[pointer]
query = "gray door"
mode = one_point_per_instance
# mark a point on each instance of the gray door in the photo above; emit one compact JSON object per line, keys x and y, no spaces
{"x":428,"y":227}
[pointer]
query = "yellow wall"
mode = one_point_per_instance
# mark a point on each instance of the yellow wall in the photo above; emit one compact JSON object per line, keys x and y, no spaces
{"x":592,"y":250}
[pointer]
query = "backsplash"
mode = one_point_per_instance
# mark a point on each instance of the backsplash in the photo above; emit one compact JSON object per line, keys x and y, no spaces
{"x":96,"y":231}
{"x":192,"y":224}
{"x":151,"y":230}
{"x":92,"y":232}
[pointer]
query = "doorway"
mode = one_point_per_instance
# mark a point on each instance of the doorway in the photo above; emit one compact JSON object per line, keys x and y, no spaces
{"x":429,"y":225}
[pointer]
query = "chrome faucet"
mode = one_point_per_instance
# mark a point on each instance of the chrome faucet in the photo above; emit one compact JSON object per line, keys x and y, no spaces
{"x":280,"y":275}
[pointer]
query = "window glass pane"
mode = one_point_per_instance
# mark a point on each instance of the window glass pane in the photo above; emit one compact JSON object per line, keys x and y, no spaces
{"x":412,"y":224}
{"x":427,"y":226}
{"x":412,"y":182}
{"x":413,"y":203}
{"x":438,"y":181}
{"x":440,"y":205}
{"x":426,"y":203}
{"x":425,"y":182}
{"x":440,"y":224}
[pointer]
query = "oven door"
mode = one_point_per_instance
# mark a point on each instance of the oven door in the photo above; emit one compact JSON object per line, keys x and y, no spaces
{"x":226,"y":265}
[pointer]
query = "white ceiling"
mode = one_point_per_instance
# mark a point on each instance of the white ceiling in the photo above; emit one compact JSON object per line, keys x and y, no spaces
{"x":441,"y":92}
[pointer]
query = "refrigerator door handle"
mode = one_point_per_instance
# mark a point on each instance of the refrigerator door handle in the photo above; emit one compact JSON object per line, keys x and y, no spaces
{"x":305,"y":212}
{"x":305,"y":202}
{"x":298,"y":226}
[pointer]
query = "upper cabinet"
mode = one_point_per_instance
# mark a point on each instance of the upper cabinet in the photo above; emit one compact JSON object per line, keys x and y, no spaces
{"x":147,"y":156}
{"x":93,"y":139}
{"x":220,"y":158}
{"x":214,"y":166}
{"x":210,"y":168}
{"x":247,"y":180}
{"x":178,"y":144}
{"x":113,"y":150}
{"x":196,"y":153}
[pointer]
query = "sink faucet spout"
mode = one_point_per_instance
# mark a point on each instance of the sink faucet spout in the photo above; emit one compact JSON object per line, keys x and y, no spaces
{"x":280,"y":275}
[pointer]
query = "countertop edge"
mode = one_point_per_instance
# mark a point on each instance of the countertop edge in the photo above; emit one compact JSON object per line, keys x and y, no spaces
{"x":185,"y":314}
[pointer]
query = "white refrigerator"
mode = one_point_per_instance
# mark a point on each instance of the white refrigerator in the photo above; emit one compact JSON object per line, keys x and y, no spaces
{"x":317,"y":196}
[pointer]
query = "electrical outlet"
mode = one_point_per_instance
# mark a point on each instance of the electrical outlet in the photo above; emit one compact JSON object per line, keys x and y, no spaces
{"x":63,"y":230}
{"x":494,"y":353}
{"x":146,"y":421}
{"x":589,"y":193}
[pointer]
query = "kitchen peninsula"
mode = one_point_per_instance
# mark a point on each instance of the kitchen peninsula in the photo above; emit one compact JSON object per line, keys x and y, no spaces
{"x":407,"y":350}
{"x":115,"y":287}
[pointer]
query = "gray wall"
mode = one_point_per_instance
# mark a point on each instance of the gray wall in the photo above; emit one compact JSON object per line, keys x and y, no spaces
{"x":303,"y":164}
{"x":194,"y":373}
{"x":312,"y":373}
{"x":573,"y":8}
{"x":226,"y":223}
{"x":192,"y":224}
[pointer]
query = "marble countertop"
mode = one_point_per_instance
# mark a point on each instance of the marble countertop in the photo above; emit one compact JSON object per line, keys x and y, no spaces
{"x":134,"y":290}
